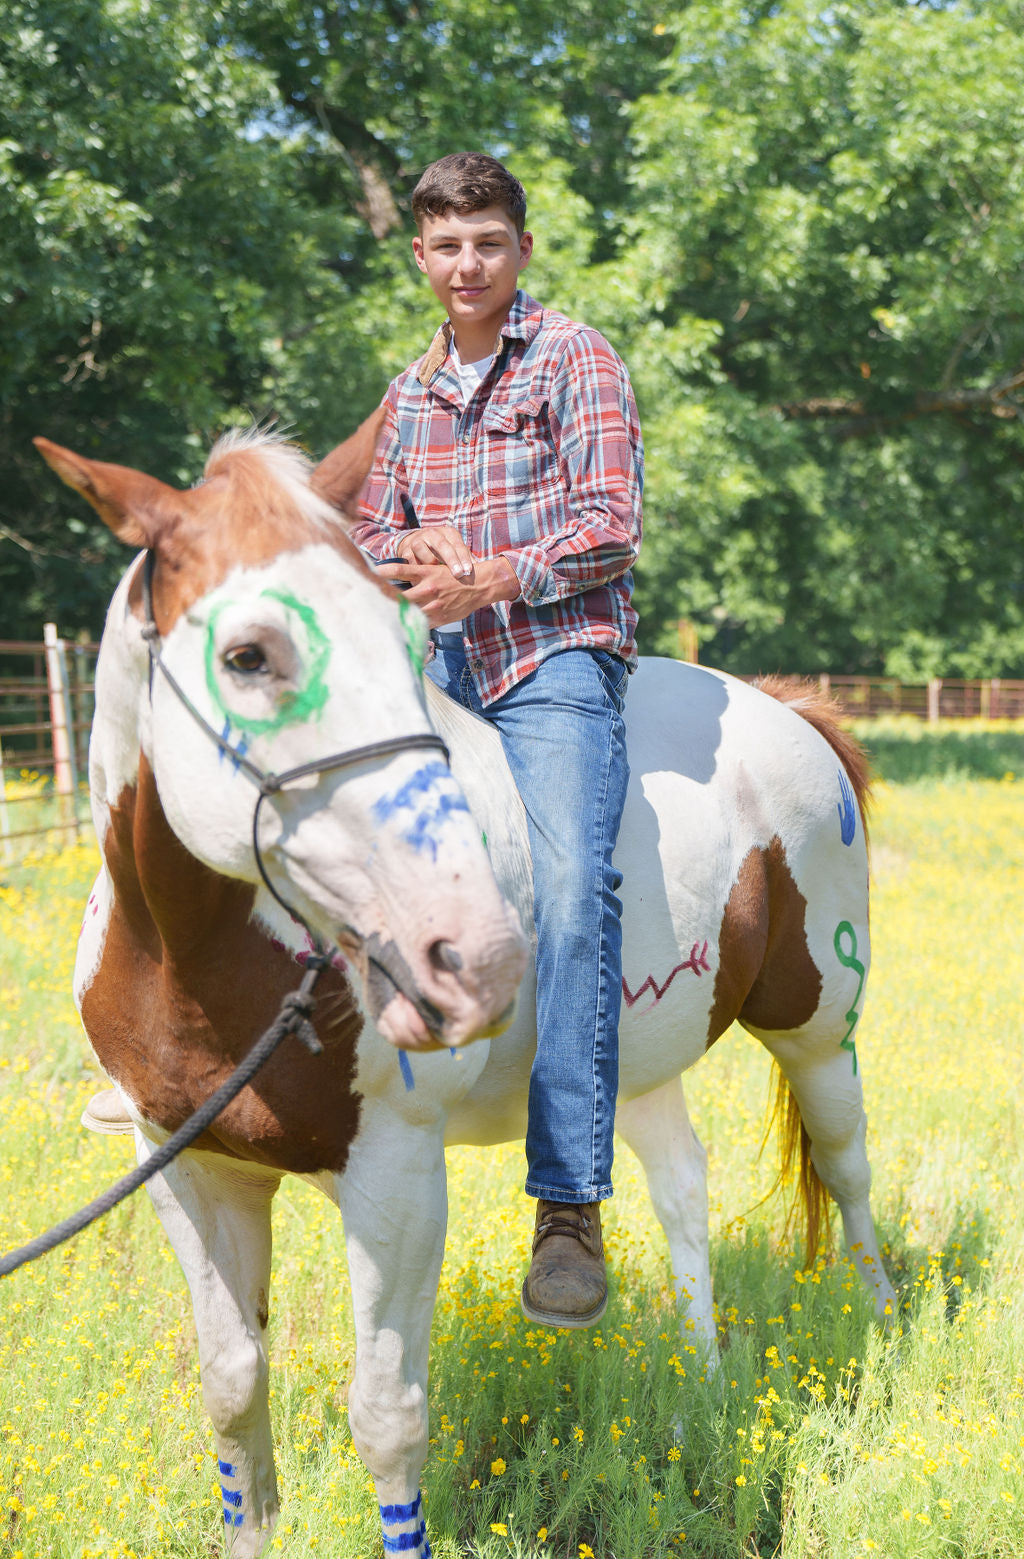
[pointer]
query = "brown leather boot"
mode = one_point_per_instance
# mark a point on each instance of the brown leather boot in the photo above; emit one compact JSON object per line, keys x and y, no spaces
{"x":107,"y":1114}
{"x":566,"y":1284}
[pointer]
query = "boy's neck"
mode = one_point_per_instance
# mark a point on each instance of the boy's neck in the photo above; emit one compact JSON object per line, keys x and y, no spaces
{"x":474,"y":345}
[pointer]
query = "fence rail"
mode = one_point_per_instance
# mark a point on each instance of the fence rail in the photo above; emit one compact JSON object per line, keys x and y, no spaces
{"x":47,"y":696}
{"x":943,"y":698}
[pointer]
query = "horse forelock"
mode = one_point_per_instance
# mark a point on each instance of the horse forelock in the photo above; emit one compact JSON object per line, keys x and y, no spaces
{"x":261,"y":467}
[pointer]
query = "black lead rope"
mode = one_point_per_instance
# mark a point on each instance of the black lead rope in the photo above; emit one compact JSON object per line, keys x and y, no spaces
{"x":294,"y":1018}
{"x":296,"y":1008}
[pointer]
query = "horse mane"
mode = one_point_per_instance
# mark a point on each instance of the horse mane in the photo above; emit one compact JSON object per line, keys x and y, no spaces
{"x":825,"y":714}
{"x":260,"y":463}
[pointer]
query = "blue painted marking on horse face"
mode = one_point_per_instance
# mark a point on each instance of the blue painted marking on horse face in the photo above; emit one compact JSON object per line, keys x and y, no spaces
{"x":430,"y":811}
{"x":231,"y":1496}
{"x":405,"y":1067}
{"x":226,"y":1470}
{"x":847,"y":810}
{"x":231,"y":1519}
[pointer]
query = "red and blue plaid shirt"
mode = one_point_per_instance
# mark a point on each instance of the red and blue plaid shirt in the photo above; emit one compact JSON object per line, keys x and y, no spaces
{"x":544,"y":464}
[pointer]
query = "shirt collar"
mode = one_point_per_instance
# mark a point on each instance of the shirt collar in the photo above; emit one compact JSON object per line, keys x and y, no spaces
{"x":522,"y":323}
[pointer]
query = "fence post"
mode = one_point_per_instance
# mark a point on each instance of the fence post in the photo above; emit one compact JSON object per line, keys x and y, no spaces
{"x":934,"y":689}
{"x":64,"y":767}
{"x":5,"y":816}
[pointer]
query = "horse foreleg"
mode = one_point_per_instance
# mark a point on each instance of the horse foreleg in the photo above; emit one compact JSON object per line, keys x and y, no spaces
{"x":394,"y":1203}
{"x":657,"y":1127}
{"x":829,"y":1096}
{"x":216,"y":1214}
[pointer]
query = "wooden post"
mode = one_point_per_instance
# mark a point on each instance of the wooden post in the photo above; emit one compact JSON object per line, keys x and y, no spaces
{"x":64,"y":767}
{"x":687,"y":632}
{"x":934,"y":689}
{"x":5,"y":816}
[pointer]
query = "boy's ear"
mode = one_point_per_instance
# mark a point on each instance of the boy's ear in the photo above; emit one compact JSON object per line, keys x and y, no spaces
{"x":341,"y":476}
{"x":133,"y":504}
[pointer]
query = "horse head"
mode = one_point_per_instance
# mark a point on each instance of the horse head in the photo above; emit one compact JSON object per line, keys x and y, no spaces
{"x":279,"y":650}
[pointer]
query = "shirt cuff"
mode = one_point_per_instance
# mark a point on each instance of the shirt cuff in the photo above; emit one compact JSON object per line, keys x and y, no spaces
{"x":537,"y":583}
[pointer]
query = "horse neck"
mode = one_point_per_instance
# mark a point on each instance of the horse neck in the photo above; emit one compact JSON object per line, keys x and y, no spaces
{"x":180,"y":910}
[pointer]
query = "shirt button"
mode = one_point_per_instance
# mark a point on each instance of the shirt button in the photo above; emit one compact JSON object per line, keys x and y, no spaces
{"x":466,"y":438}
{"x":476,"y":665}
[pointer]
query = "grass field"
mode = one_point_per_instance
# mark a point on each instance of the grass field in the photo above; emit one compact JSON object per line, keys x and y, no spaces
{"x":821,"y":1437}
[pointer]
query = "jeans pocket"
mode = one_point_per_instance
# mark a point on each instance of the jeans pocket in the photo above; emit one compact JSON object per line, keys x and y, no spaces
{"x":614,"y":677}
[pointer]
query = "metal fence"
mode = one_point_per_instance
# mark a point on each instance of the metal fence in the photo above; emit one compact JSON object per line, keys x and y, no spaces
{"x":47,"y":699}
{"x":46,"y":708}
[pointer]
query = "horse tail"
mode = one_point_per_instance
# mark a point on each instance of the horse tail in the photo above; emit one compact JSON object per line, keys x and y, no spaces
{"x":809,"y":1207}
{"x":825,"y":715}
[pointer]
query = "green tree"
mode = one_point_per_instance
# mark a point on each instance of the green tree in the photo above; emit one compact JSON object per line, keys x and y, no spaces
{"x":828,"y":199}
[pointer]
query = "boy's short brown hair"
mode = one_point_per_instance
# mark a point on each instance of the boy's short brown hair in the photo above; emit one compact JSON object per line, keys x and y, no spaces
{"x":465,"y":182}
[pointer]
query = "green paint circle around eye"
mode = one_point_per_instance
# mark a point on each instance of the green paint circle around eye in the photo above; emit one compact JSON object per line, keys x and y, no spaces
{"x":301,"y":703}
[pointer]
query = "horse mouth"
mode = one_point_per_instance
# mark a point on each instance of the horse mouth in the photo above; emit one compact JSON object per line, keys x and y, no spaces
{"x":389,"y":980}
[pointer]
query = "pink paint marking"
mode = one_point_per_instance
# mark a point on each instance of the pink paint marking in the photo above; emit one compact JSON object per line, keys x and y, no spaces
{"x":302,"y":956}
{"x":697,"y":961}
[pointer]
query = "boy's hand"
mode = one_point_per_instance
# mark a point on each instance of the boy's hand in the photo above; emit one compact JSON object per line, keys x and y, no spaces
{"x":438,"y":544}
{"x":445,"y":597}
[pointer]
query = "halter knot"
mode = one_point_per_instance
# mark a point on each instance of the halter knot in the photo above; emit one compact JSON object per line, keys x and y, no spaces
{"x":296,"y":1011}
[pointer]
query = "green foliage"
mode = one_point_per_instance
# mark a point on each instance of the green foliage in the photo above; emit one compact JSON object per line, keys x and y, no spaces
{"x":799,"y":224}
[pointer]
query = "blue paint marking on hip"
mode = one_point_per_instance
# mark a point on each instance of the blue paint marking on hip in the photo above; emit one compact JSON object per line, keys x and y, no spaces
{"x":391,"y":1515}
{"x":847,"y":810}
{"x":429,"y":811}
{"x":405,"y":1067}
{"x":226,"y":1470}
{"x":231,"y":1496}
{"x":406,"y":1541}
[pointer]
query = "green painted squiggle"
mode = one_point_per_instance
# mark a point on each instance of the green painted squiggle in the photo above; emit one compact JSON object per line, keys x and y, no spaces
{"x":849,"y":960}
{"x":295,"y":705}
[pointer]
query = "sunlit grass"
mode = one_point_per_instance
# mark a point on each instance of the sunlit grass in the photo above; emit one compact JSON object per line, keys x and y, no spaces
{"x":819,"y":1435}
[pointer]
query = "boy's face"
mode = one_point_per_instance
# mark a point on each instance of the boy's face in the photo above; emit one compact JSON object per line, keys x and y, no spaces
{"x":472,"y":262}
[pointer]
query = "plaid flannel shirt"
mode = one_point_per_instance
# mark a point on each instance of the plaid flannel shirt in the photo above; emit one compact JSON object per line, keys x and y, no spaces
{"x":544,"y":464}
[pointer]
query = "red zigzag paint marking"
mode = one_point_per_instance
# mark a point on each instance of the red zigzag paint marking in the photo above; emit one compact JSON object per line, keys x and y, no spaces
{"x":697,"y":961}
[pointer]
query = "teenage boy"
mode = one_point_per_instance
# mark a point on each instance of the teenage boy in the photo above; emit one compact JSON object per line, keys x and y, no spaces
{"x":506,"y":494}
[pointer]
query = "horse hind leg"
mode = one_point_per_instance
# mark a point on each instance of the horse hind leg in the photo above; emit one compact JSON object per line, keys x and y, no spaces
{"x":216,"y":1214}
{"x":827,"y":1133}
{"x":658,"y":1129}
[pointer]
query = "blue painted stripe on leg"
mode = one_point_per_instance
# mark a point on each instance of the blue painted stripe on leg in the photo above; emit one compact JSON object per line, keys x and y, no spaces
{"x":231,"y":1497}
{"x":233,"y":1518}
{"x":406,"y":1069}
{"x":392,"y":1514}
{"x":226,"y":1470}
{"x":406,"y":1541}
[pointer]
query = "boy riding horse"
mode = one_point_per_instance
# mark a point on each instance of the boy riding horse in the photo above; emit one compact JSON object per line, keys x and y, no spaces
{"x":506,"y":497}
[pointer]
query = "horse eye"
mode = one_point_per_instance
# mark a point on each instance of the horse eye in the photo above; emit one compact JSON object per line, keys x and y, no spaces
{"x":247,"y":659}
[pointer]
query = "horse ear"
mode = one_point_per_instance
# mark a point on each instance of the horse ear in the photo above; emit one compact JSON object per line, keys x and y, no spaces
{"x":341,"y":476}
{"x":130,"y":502}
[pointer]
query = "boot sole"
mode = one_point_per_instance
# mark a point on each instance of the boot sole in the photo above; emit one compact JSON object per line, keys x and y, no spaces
{"x":552,"y":1317}
{"x":105,"y":1127}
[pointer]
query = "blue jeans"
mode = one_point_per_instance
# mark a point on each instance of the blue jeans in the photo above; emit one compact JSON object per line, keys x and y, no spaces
{"x":564,"y":739}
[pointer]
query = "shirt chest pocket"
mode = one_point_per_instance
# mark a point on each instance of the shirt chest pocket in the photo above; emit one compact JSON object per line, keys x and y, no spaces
{"x":519,"y":441}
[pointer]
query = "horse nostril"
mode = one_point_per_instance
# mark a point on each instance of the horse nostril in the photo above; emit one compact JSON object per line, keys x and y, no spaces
{"x":444,"y":956}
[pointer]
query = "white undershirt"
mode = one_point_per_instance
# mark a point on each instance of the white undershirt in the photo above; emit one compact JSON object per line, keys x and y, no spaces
{"x":470,"y":377}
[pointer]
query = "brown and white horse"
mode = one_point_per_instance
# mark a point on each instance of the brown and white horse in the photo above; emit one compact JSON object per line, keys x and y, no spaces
{"x":745,"y":892}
